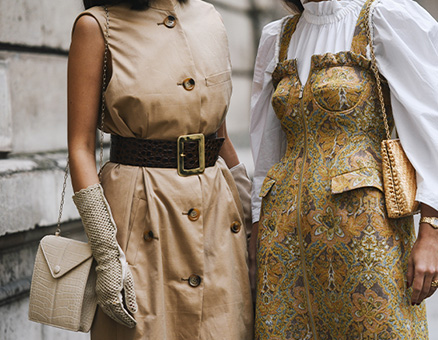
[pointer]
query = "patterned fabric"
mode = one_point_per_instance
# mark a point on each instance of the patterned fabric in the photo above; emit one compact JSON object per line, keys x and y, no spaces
{"x":331,"y":265}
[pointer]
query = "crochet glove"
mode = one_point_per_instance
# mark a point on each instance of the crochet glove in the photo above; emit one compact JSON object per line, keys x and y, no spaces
{"x":113,"y":273}
{"x":243,"y":184}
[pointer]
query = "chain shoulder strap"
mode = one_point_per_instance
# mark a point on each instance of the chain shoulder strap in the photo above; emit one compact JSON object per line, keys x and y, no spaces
{"x":375,"y":69}
{"x":102,"y":117}
{"x":104,"y":84}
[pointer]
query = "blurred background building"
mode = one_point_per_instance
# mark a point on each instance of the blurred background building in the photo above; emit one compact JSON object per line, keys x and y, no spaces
{"x":34,"y":42}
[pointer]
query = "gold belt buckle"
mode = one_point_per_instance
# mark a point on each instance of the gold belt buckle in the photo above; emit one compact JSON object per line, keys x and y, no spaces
{"x":199,"y":137}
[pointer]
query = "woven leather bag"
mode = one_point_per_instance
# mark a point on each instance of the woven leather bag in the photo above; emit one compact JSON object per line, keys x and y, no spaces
{"x":62,"y":293}
{"x":399,"y":177}
{"x":399,"y":180}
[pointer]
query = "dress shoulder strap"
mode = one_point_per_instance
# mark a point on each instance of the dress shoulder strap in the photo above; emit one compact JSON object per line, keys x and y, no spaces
{"x":360,"y":39}
{"x":288,"y":29}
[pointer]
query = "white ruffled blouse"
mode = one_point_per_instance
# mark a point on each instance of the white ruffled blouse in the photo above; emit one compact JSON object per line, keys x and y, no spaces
{"x":406,"y":47}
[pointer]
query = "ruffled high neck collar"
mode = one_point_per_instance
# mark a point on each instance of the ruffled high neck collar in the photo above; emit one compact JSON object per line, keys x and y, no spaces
{"x":328,"y":11}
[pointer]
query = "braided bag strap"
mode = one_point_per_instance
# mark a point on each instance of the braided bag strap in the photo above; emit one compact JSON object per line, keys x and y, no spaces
{"x":374,"y":67}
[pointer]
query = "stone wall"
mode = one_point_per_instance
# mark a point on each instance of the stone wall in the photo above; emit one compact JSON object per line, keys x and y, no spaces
{"x":34,"y":41}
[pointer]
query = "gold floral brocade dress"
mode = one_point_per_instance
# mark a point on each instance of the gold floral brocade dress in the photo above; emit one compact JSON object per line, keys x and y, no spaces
{"x":331,"y":265}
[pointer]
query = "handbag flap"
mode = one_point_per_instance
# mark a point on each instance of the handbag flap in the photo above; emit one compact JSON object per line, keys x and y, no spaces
{"x":63,"y":254}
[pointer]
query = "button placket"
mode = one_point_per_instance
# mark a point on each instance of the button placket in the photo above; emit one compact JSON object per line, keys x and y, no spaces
{"x":189,"y":84}
{"x":193,"y":280}
{"x":169,"y":21}
{"x":235,"y":227}
{"x":193,"y":214}
{"x":149,"y":236}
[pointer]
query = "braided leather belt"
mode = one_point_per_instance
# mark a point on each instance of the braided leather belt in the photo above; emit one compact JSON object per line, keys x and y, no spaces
{"x":190,"y":154}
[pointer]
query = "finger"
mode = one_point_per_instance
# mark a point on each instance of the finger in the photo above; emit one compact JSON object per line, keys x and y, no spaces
{"x":119,"y":314}
{"x":123,"y":316}
{"x":410,"y":273}
{"x":431,"y":292}
{"x":130,"y":298}
{"x":432,"y":288}
{"x":417,"y":287}
{"x":426,"y":287}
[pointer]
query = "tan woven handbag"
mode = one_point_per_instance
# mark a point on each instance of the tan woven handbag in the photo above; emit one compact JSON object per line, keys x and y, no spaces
{"x":399,"y":178}
{"x":62,"y":292}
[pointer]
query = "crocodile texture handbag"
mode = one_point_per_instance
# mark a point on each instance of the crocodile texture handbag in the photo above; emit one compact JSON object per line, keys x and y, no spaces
{"x":62,"y":292}
{"x":399,"y":177}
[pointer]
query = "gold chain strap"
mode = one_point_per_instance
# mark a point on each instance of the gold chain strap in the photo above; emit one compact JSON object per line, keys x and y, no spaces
{"x":375,"y":69}
{"x":105,"y":68}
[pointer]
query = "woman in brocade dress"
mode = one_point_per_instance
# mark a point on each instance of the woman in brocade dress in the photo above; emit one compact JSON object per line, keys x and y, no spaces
{"x":330,"y":264}
{"x":164,"y":218}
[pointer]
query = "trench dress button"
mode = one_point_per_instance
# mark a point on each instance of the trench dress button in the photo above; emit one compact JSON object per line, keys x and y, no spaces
{"x":236,"y":227}
{"x":194,"y":214}
{"x":194,"y":280}
{"x":57,"y":269}
{"x":189,"y":84}
{"x":170,"y":21}
{"x":148,"y":236}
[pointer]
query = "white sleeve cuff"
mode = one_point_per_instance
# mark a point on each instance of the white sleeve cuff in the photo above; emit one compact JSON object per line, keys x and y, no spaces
{"x":256,"y":200}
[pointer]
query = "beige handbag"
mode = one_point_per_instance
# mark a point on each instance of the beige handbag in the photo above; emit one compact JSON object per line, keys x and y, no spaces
{"x":62,"y":292}
{"x":399,"y":177}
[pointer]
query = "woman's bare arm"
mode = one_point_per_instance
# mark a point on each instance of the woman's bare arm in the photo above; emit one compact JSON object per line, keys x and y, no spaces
{"x":228,"y":153}
{"x":85,"y":69}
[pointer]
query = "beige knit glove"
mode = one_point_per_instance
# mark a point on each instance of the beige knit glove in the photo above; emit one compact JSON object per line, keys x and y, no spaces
{"x":243,"y":184}
{"x":113,"y":273}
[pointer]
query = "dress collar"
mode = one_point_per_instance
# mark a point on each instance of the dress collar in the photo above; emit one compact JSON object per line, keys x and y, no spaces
{"x":329,"y":11}
{"x":167,"y":5}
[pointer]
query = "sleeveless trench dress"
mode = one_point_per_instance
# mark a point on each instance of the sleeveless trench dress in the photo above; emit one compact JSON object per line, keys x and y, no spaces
{"x":331,"y":265}
{"x":190,"y":271}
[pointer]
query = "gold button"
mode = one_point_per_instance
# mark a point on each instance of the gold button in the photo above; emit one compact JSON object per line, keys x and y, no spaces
{"x":189,"y":84}
{"x":194,"y":280}
{"x":170,"y":21}
{"x":57,"y":269}
{"x":148,"y":236}
{"x":194,"y":214}
{"x":235,"y":227}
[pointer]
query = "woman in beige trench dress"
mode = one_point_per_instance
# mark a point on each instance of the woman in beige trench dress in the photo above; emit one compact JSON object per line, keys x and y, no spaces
{"x":168,"y":236}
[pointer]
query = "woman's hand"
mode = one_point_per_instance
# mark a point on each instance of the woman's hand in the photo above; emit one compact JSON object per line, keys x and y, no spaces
{"x":114,"y":283}
{"x":423,"y":261}
{"x":252,"y":256}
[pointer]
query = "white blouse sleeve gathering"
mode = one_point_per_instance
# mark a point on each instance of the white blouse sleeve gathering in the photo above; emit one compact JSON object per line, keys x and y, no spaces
{"x":267,"y":138}
{"x":406,"y":48}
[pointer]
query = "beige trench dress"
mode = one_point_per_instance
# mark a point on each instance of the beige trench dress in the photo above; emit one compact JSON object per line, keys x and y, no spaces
{"x":151,"y":56}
